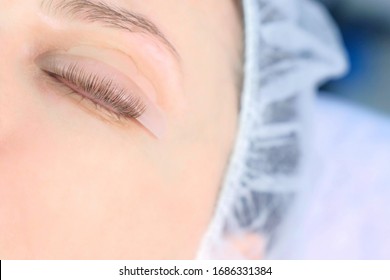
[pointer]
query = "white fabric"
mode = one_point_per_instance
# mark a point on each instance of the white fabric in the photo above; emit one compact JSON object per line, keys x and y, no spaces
{"x":345,"y":213}
{"x":291,"y":46}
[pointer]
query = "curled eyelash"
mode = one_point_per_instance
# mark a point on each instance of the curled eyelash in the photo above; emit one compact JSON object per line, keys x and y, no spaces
{"x":102,"y":91}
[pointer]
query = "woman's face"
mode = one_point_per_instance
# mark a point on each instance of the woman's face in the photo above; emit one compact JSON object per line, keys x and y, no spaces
{"x":114,"y":131}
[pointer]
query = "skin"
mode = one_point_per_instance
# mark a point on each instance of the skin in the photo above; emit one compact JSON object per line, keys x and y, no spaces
{"x":75,"y":184}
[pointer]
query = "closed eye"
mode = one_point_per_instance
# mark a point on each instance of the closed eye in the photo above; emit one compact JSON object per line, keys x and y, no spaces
{"x":100,"y":90}
{"x":106,"y":87}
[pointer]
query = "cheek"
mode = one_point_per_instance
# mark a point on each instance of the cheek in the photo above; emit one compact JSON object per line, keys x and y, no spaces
{"x":72,"y":186}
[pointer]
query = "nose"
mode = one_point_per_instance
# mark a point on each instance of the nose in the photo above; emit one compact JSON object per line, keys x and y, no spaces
{"x":16,"y":67}
{"x":12,"y":83}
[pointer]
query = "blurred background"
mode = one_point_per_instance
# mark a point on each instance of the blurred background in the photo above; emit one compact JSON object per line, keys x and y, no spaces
{"x":365,"y":27}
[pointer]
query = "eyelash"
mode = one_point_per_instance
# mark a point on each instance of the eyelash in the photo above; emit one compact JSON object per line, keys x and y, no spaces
{"x":103,"y":92}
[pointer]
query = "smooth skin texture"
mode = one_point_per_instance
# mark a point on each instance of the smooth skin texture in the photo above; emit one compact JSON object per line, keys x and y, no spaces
{"x":75,"y":184}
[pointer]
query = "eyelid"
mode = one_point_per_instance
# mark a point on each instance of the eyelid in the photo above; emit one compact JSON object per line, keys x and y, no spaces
{"x":152,"y":118}
{"x":120,"y":61}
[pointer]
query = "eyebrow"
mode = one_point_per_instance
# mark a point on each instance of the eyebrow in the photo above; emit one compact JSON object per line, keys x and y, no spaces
{"x":109,"y":16}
